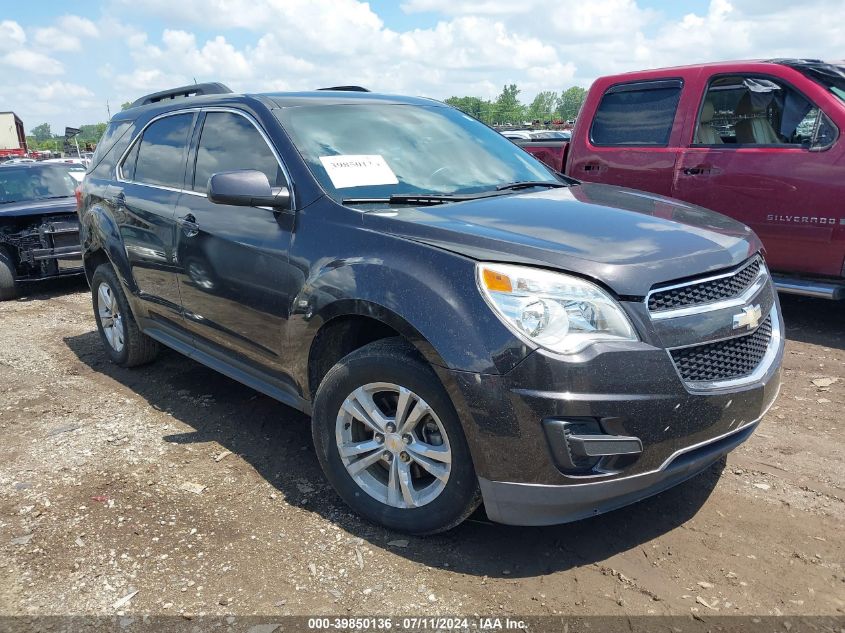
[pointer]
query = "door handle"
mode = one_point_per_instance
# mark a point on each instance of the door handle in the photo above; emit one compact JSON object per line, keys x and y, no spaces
{"x":697,"y":171}
{"x":593,"y":167}
{"x":189,"y":225}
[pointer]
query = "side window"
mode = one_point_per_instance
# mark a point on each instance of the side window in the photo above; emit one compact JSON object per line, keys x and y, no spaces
{"x":127,"y":169}
{"x":637,"y":114}
{"x":160,"y":156}
{"x":744,"y":110}
{"x":229,"y":142}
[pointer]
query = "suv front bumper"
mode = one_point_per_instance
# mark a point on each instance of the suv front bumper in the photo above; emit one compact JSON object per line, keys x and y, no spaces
{"x":539,"y":504}
{"x":631,"y":390}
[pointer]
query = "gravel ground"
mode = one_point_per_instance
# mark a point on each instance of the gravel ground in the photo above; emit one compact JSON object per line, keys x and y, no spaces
{"x":196,"y":495}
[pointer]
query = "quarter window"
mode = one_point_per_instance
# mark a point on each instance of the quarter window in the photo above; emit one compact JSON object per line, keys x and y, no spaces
{"x":637,"y":114}
{"x":229,"y":142}
{"x":160,"y":156}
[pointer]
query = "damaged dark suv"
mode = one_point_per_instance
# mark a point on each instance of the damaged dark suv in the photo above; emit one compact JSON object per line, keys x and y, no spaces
{"x":462,"y":323}
{"x":39,"y":229}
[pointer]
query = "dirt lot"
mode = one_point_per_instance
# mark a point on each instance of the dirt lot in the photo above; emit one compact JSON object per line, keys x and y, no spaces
{"x":206,"y":497}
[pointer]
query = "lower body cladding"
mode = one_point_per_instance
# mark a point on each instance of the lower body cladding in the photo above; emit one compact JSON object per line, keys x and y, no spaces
{"x":44,"y":247}
{"x":613,"y":425}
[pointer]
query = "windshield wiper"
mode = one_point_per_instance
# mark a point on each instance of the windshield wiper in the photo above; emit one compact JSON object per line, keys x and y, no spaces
{"x":527,"y":184}
{"x":418,"y":199}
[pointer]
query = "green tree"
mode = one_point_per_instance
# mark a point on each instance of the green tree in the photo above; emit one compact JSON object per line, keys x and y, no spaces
{"x":570,"y":102}
{"x":507,"y":107}
{"x":91,"y":133}
{"x":42,"y":132}
{"x":471,"y":105}
{"x":544,"y":106}
{"x":125,"y":105}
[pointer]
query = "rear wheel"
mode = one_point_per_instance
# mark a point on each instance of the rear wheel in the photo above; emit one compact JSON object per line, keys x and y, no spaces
{"x":390,"y":442}
{"x":122,"y":339}
{"x":8,"y":289}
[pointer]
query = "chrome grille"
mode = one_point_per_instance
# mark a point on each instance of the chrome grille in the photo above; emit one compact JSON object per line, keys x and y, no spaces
{"x":724,"y":360}
{"x":704,"y":292}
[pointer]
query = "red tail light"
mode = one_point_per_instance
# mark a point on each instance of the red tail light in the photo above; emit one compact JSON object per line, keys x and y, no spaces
{"x":78,"y":193}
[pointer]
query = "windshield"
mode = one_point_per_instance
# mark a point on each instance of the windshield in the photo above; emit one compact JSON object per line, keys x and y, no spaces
{"x":19,"y":185}
{"x":380,"y":150}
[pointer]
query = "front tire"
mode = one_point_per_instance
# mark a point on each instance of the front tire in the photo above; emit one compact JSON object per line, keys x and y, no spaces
{"x":8,"y":289}
{"x":390,"y":442}
{"x":122,"y":339}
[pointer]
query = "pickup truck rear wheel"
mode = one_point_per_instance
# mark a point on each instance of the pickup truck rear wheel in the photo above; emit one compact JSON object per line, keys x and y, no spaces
{"x":8,"y":290}
{"x":122,"y":339}
{"x":390,"y":442}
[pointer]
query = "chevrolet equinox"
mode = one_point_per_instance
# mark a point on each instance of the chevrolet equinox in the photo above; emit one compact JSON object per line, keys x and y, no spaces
{"x":461,"y":323}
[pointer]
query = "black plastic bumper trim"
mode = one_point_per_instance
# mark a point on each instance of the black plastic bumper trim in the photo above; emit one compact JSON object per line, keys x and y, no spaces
{"x":539,"y":504}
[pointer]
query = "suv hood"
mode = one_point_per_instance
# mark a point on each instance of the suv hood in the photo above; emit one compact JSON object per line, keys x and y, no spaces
{"x":38,"y":207}
{"x":629,"y":240}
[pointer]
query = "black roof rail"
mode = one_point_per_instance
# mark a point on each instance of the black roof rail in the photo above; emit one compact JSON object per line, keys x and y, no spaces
{"x":182,"y":92}
{"x":346,"y":88}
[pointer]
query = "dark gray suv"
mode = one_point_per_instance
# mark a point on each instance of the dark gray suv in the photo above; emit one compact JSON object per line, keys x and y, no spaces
{"x":462,"y":324}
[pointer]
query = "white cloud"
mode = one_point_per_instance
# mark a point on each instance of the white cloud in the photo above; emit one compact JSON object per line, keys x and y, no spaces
{"x":11,"y":35}
{"x":469,"y":48}
{"x":33,"y":62}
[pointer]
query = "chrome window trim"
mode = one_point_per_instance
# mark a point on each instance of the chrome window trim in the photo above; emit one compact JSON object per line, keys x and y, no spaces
{"x":264,"y":136}
{"x":118,"y":167}
{"x":732,"y":302}
{"x":755,"y":376}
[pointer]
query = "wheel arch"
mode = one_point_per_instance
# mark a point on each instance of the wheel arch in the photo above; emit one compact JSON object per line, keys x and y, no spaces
{"x":101,"y":243}
{"x":347,"y":325}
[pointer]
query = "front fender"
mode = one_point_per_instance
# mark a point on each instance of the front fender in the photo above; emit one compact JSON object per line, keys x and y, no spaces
{"x":426,"y":294}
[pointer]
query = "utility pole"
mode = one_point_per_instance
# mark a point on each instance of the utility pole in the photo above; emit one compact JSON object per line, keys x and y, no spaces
{"x":108,"y":109}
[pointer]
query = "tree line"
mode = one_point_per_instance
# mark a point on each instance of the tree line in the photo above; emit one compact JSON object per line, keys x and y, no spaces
{"x":41,"y":137}
{"x":506,"y":109}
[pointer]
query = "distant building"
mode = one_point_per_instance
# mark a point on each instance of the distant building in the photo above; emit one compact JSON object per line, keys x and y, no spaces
{"x":12,"y":135}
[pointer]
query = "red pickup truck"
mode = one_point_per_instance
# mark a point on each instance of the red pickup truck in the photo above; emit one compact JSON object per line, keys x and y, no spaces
{"x":760,"y":141}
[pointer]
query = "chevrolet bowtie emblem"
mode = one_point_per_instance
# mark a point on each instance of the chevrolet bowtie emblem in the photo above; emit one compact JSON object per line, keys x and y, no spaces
{"x":749,"y":317}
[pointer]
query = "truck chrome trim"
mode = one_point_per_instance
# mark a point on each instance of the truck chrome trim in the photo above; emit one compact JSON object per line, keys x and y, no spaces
{"x":817,"y":289}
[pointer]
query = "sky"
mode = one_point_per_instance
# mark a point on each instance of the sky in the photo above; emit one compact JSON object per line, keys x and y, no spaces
{"x":65,"y":62}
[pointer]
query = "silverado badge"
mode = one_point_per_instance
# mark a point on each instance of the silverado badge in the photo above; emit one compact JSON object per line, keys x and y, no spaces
{"x":749,"y":317}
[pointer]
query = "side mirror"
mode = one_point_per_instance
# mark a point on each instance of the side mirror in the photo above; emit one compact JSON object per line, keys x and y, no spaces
{"x":246,"y":188}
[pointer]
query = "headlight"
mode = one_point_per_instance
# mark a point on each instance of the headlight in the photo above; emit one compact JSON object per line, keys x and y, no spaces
{"x":559,"y":312}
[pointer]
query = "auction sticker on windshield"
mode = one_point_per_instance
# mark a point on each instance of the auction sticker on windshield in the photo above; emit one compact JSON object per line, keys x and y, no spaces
{"x":358,"y":170}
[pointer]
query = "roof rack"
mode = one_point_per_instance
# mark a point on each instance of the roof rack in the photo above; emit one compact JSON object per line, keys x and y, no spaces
{"x":346,"y":88}
{"x":183,"y":92}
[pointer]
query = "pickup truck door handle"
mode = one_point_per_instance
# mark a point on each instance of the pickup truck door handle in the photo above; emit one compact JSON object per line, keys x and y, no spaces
{"x":593,"y":167}
{"x":189,"y":225}
{"x":697,"y":171}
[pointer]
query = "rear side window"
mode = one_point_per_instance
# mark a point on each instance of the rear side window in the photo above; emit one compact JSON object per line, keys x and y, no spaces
{"x":637,"y":114}
{"x":228,"y":142}
{"x":161,"y":154}
{"x":114,"y":133}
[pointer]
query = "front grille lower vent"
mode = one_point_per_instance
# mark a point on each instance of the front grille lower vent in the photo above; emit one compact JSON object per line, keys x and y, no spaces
{"x":724,"y":360}
{"x":700,"y":293}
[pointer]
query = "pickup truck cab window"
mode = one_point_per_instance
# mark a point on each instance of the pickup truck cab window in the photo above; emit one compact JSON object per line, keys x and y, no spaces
{"x":641,"y":113}
{"x":228,"y":142}
{"x":419,"y":150}
{"x":755,"y":110}
{"x":159,"y":157}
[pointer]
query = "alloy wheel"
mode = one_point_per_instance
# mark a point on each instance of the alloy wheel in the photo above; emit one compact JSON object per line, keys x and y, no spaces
{"x":111,"y":319}
{"x":393,"y":445}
